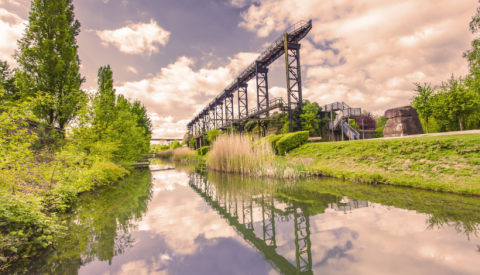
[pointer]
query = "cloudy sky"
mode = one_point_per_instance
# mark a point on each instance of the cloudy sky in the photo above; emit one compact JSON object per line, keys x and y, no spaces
{"x":176,"y":55}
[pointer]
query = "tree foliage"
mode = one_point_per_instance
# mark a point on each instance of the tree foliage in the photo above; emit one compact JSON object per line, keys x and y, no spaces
{"x":369,"y":122}
{"x":423,"y":101}
{"x":49,"y":62}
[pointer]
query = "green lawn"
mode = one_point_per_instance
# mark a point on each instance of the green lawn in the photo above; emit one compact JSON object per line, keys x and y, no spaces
{"x":442,"y":163}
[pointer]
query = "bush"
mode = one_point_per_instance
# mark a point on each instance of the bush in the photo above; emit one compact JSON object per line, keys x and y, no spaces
{"x":291,"y":141}
{"x":192,"y":143}
{"x":175,"y":144}
{"x":272,"y":140}
{"x":202,"y":151}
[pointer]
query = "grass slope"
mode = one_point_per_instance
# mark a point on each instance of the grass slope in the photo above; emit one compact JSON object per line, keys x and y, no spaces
{"x":441,"y":163}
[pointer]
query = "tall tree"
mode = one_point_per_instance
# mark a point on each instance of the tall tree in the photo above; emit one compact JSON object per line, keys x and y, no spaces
{"x":49,"y":61}
{"x":142,"y":118}
{"x":105,"y":111}
{"x":473,"y":57}
{"x":422,"y":101}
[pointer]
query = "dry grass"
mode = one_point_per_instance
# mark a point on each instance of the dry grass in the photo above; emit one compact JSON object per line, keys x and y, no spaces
{"x":236,"y":154}
{"x":184,"y":153}
{"x":165,"y":154}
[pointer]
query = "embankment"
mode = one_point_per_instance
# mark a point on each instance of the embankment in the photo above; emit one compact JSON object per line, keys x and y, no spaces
{"x":440,"y":163}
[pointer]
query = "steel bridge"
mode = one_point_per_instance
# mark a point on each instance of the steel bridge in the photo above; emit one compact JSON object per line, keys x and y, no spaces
{"x":219,"y":113}
{"x":238,"y":210}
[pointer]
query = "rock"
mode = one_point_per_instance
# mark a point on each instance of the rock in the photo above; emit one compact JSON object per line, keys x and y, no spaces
{"x":402,"y":121}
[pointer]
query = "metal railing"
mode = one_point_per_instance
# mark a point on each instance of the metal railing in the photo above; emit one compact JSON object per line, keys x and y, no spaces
{"x":350,"y":132}
{"x":275,"y":103}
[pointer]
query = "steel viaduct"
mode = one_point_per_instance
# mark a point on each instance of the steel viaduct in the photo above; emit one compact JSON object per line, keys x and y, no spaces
{"x":220,"y":114}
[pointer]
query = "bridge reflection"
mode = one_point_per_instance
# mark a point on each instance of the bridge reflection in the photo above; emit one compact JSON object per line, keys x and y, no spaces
{"x":237,"y":207}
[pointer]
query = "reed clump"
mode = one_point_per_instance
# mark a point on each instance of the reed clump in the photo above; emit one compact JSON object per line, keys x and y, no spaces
{"x":236,"y":154}
{"x":165,"y":154}
{"x":184,"y":154}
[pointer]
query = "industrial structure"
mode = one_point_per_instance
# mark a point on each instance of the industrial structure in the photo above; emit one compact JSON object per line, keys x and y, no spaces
{"x":220,"y":113}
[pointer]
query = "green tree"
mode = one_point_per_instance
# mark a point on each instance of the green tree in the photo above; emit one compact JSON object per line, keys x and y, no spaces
{"x":105,"y":111}
{"x":142,"y":118}
{"x":422,"y":101}
{"x":7,"y":83}
{"x":310,"y":118}
{"x":455,"y":103}
{"x":49,"y":62}
{"x":175,"y":144}
{"x":212,"y":135}
{"x":473,"y":57}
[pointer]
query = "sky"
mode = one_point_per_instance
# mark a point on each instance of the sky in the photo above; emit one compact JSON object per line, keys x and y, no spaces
{"x":177,"y":55}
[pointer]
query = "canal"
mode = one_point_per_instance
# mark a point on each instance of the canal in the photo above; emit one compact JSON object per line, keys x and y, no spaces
{"x":190,"y":221}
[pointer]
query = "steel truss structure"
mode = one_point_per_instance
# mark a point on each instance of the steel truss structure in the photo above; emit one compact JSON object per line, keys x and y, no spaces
{"x":286,"y":44}
{"x":294,"y":79}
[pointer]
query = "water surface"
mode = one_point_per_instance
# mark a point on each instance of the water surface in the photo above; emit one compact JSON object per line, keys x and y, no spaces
{"x":186,"y":221}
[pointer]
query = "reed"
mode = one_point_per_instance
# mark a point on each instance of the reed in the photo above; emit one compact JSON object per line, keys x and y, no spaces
{"x":236,"y":154}
{"x":165,"y":154}
{"x":184,"y":154}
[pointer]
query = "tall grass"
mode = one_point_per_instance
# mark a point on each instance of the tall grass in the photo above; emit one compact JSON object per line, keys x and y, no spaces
{"x":236,"y":154}
{"x":184,"y":154}
{"x":165,"y":154}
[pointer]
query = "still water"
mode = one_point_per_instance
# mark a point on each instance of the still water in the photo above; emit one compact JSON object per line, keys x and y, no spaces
{"x":186,"y":221}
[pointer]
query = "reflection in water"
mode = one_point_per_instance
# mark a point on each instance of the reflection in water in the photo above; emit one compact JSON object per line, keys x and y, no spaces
{"x":186,"y":221}
{"x":238,"y":210}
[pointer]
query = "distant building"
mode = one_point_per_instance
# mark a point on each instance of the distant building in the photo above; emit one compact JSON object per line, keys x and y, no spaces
{"x":164,"y":141}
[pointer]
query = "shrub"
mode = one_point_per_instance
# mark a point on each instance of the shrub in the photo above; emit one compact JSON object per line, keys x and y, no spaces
{"x":202,"y":151}
{"x":192,"y":143}
{"x":175,"y":144}
{"x":291,"y":141}
{"x":272,"y":140}
{"x":212,"y":135}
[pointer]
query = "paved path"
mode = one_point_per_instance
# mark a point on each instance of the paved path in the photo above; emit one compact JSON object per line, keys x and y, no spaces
{"x":437,"y":134}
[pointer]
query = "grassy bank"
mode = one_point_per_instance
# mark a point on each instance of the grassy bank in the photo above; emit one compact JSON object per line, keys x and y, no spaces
{"x":441,"y":163}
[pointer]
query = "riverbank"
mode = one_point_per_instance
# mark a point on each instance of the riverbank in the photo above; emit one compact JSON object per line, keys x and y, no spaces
{"x":33,"y":195}
{"x":442,"y":163}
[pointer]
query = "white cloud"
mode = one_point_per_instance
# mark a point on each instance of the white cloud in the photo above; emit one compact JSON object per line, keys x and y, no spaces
{"x":368,"y":53}
{"x":140,"y":38}
{"x":11,"y":29}
{"x":177,"y":91}
{"x":132,"y":69}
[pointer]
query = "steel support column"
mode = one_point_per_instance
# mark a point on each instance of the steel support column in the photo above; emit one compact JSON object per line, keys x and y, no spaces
{"x":242,"y":100}
{"x":211,"y":118}
{"x":229,"y":109}
{"x":294,"y":80}
{"x":219,"y":115}
{"x":268,"y":210}
{"x":303,"y":243}
{"x":262,"y":87}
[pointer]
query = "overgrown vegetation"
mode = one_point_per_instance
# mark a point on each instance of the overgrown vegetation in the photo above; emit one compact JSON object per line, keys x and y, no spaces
{"x":107,"y":132}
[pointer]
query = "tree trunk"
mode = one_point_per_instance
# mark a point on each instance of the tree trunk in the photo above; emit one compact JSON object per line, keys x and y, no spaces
{"x":461,"y":126}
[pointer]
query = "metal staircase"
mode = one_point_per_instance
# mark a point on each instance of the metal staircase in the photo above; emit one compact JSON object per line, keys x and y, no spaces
{"x":343,"y":113}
